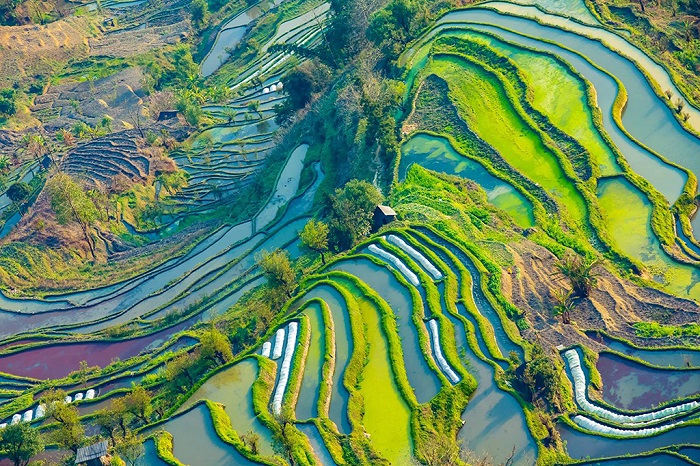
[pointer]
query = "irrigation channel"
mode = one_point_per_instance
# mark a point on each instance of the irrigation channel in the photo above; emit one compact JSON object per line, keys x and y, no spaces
{"x":407,"y":331}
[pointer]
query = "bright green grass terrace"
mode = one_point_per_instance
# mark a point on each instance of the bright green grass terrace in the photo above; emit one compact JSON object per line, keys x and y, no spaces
{"x":627,"y":215}
{"x":477,"y":93}
{"x":559,"y":95}
{"x":387,"y":417}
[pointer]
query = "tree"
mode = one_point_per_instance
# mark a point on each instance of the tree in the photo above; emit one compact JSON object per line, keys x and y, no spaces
{"x":580,"y":273}
{"x":136,"y":117}
{"x":303,"y":81}
{"x":20,"y":442}
{"x":172,"y":182}
{"x":564,"y":304}
{"x":66,"y":137}
{"x":4,"y":163}
{"x":84,"y":371}
{"x":352,"y":209}
{"x":541,"y":377}
{"x":314,"y":236}
{"x":80,"y":129}
{"x":139,"y":403}
{"x":70,"y":203}
{"x":396,"y":24}
{"x":8,"y":107}
{"x":130,"y":448}
{"x":252,"y":441}
{"x":200,"y":12}
{"x":215,"y":346}
{"x":70,"y":432}
{"x":278,"y":269}
{"x":254,"y":106}
{"x":177,"y":372}
{"x":34,"y":145}
{"x":108,"y":420}
{"x":191,"y":112}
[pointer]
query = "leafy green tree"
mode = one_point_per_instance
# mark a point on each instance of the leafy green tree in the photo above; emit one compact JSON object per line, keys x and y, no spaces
{"x":191,"y":112}
{"x":139,"y":403}
{"x":80,"y":129}
{"x":352,"y":210}
{"x":20,"y":442}
{"x":199,"y":9}
{"x":178,"y":371}
{"x":71,"y":204}
{"x":69,"y":433}
{"x":278,"y":269}
{"x":314,"y":236}
{"x":109,"y":420}
{"x":301,"y":83}
{"x":541,"y":378}
{"x":84,"y":371}
{"x":215,"y":346}
{"x":8,"y":107}
{"x":4,"y":163}
{"x":396,"y":24}
{"x":580,"y":272}
{"x":172,"y":182}
{"x":130,"y":448}
{"x":254,"y":106}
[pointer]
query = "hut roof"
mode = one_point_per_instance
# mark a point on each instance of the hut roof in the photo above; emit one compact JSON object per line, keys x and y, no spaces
{"x":386,"y":210}
{"x":91,"y":452}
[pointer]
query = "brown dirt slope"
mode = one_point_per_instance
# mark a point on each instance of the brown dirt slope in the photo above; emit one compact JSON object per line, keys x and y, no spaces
{"x":33,"y":49}
{"x":613,"y":306}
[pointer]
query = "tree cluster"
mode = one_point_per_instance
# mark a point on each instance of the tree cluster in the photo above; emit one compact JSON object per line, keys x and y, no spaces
{"x":351,"y":213}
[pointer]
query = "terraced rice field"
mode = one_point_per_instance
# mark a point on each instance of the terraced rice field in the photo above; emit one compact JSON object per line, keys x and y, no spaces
{"x":513,"y":137}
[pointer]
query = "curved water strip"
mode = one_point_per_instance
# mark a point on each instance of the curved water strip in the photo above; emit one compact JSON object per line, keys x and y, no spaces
{"x":613,"y":41}
{"x":307,"y":401}
{"x":513,"y":31}
{"x":436,"y":153}
{"x":318,"y":446}
{"x":344,"y":346}
{"x":628,"y":219}
{"x":576,"y":9}
{"x":196,"y":443}
{"x":232,"y":387}
{"x":482,"y":303}
{"x":494,"y":422}
{"x":626,"y":420}
{"x":231,"y":34}
{"x":580,"y":445}
{"x":674,"y":357}
{"x":160,"y":289}
{"x":630,"y":385}
{"x":421,"y":377}
{"x":646,"y":116}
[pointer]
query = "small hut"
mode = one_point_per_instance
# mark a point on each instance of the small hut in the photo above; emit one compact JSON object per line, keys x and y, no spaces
{"x":167,"y":115}
{"x":93,"y":455}
{"x":383,"y":215}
